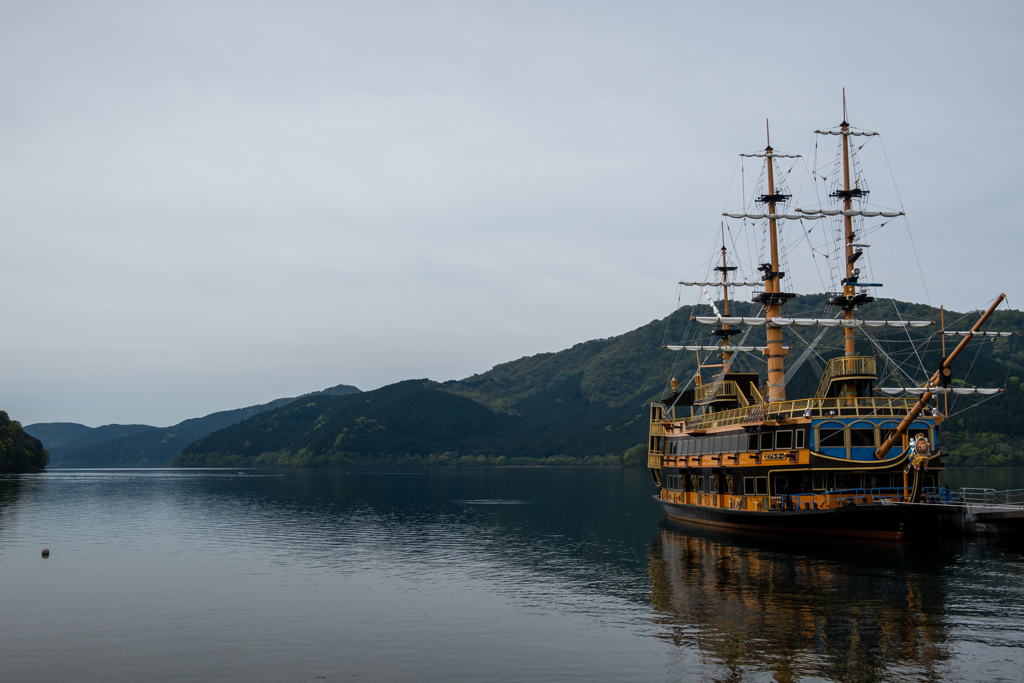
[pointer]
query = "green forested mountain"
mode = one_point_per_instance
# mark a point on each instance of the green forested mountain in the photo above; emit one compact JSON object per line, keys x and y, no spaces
{"x":72,"y":445}
{"x":411,"y":422}
{"x":590,"y":401}
{"x":19,"y":451}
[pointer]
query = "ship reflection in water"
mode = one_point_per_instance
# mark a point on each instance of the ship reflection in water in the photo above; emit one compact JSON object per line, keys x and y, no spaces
{"x":861,"y":613}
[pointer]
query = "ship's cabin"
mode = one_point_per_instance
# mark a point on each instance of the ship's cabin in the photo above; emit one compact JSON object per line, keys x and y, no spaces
{"x":719,"y":481}
{"x":848,"y":376}
{"x":737,"y":390}
{"x":846,"y":439}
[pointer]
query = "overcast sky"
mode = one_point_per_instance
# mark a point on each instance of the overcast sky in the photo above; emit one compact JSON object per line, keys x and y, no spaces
{"x":209,"y":205}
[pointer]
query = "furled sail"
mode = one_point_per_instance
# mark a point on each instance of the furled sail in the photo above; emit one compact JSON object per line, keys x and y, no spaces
{"x":772,"y":155}
{"x":814,"y":214}
{"x":917,"y":391}
{"x":727,"y":284}
{"x":845,"y":132}
{"x":819,"y":213}
{"x":971,"y":333}
{"x":808,"y":322}
{"x":772,"y":216}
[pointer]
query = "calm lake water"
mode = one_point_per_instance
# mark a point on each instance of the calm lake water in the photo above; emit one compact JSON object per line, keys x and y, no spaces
{"x":491,"y":574}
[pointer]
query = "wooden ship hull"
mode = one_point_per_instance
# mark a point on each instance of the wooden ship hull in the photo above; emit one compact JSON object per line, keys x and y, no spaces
{"x":882,"y":522}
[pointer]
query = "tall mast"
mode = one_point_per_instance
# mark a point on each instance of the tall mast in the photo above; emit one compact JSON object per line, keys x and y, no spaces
{"x":850,"y":300}
{"x":772,"y":298}
{"x":772,"y":287}
{"x":725,"y":295}
{"x":849,"y":288}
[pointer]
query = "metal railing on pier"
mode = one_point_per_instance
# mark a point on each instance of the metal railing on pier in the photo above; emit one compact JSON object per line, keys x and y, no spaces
{"x":980,"y":496}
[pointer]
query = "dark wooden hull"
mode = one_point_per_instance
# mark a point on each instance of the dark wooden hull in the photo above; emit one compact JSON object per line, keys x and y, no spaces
{"x":889,"y":522}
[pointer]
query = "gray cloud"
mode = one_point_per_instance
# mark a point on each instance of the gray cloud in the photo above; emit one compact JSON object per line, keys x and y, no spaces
{"x":214,"y":204}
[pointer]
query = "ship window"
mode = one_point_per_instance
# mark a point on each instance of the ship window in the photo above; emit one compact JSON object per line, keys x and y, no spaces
{"x":748,"y":486}
{"x":731,"y":447}
{"x":761,"y":485}
{"x":766,"y":441}
{"x":781,"y":485}
{"x":700,"y":484}
{"x":753,"y":441}
{"x":718,"y":445}
{"x":819,"y":481}
{"x":784,"y":440}
{"x":835,"y":438}
{"x":742,"y":442}
{"x":862,"y":438}
{"x":800,"y":438}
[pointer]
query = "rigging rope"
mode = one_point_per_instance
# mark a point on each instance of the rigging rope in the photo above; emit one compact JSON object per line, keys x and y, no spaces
{"x":909,"y":233}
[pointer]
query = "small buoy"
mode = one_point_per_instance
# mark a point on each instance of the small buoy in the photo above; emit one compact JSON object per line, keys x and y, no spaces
{"x":46,"y":552}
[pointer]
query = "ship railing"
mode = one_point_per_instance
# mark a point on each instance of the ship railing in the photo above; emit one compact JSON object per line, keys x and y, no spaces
{"x":800,"y":501}
{"x":718,"y":391}
{"x":941,"y":496}
{"x":846,"y":366}
{"x":889,"y":494}
{"x":846,"y":497}
{"x":806,"y":407}
{"x":824,"y":499}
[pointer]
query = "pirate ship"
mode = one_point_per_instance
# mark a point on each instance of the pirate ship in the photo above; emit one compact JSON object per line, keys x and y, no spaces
{"x":859,"y":456}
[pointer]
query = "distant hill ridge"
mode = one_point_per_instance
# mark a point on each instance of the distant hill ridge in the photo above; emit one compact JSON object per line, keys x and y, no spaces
{"x":73,"y":445}
{"x":587,"y":403}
